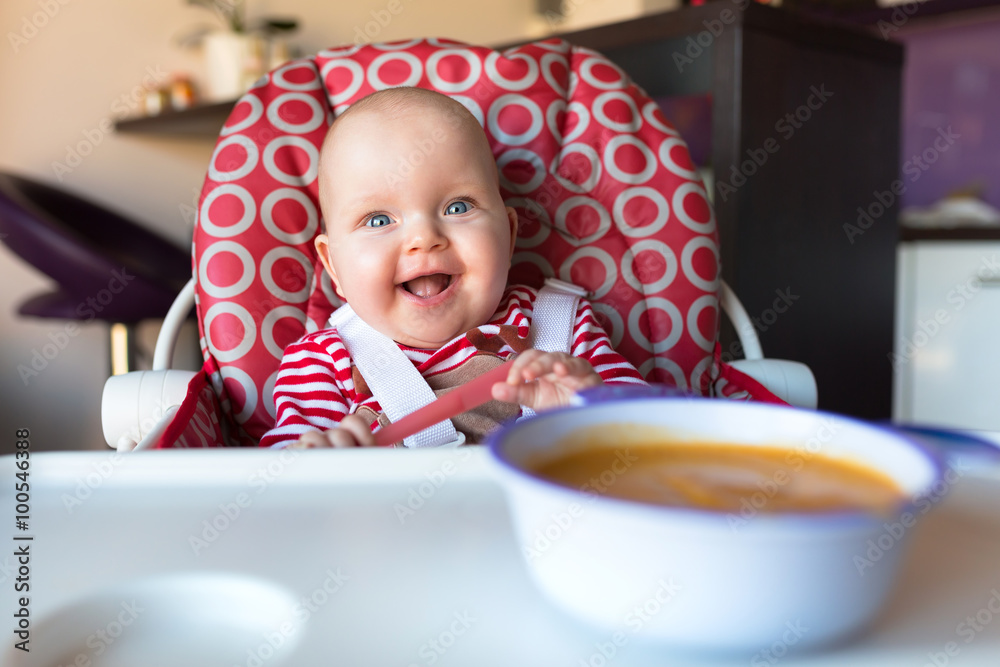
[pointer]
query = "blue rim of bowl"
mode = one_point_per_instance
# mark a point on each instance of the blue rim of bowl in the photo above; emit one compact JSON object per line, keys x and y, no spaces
{"x":950,"y":441}
{"x":790,"y":519}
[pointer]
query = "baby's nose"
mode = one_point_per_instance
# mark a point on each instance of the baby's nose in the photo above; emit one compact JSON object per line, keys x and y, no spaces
{"x":425,"y":234}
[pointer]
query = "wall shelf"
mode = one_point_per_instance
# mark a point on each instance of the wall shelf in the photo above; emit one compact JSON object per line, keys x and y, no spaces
{"x":203,"y":120}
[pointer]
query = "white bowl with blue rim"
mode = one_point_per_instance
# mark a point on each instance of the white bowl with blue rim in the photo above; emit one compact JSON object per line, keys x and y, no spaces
{"x":706,"y":579}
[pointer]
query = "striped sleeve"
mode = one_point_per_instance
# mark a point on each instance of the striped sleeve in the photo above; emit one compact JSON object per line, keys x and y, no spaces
{"x":307,"y":394}
{"x":591,"y":343}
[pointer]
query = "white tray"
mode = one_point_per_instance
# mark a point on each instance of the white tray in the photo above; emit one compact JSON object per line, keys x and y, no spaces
{"x":443,"y":585}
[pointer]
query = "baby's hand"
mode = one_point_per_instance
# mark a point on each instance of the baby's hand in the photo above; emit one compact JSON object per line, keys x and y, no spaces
{"x":353,"y":431}
{"x":550,"y":379}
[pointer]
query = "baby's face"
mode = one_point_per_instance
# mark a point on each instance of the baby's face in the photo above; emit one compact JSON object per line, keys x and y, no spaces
{"x":418,"y":238}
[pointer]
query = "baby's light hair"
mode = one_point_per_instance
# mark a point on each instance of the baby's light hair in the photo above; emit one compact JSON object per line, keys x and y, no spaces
{"x":400,"y":99}
{"x":393,"y":102}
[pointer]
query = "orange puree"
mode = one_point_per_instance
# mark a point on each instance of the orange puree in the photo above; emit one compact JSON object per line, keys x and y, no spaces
{"x":724,"y":477}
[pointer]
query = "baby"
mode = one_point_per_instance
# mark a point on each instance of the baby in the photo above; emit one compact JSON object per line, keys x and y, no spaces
{"x":419,"y":242}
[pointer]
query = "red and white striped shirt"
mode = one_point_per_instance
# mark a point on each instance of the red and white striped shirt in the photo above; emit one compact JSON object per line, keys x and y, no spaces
{"x":315,"y":388}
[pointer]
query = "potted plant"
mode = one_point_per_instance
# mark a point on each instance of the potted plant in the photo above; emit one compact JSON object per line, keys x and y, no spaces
{"x":238,"y":54}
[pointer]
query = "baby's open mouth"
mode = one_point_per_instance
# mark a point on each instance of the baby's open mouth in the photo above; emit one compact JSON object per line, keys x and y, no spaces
{"x":427,"y":286}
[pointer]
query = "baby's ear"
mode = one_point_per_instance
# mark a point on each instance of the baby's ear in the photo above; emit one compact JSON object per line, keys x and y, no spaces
{"x":512,"y":219}
{"x":323,"y":250}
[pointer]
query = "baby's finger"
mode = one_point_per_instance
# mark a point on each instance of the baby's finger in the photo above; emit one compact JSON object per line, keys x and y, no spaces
{"x":341,"y":438}
{"x":359,"y":430}
{"x":311,"y":440}
{"x":502,"y":391}
{"x":573,"y":366}
{"x":527,"y":394}
{"x":516,"y":374}
{"x":544,"y":364}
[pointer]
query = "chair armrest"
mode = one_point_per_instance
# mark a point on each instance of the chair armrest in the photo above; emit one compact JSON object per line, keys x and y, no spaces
{"x":136,"y":404}
{"x":790,"y":381}
{"x":737,"y":314}
{"x":163,"y":355}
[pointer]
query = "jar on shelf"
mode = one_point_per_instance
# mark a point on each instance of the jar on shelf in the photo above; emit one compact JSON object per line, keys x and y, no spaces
{"x":156,"y":101}
{"x":182,"y":94}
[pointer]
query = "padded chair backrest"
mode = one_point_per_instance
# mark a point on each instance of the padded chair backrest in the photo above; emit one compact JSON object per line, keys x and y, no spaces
{"x":604,"y":187}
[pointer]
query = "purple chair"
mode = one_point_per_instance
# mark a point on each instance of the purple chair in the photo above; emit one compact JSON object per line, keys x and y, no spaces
{"x":106,"y":266}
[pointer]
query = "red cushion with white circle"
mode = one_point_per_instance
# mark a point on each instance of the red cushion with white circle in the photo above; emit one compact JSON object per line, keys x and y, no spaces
{"x":604,"y":187}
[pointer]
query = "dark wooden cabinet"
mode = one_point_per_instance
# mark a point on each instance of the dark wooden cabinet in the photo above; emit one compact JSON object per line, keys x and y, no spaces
{"x":786,"y":186}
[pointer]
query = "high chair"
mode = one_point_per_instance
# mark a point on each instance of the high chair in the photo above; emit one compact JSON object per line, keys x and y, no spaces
{"x":605,"y":190}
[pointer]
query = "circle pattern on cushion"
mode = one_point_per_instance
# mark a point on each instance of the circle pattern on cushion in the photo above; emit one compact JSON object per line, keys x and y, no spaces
{"x":602,"y":183}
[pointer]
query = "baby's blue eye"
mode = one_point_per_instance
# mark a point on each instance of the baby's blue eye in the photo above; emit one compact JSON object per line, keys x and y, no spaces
{"x":379,"y":220}
{"x":456,"y":208}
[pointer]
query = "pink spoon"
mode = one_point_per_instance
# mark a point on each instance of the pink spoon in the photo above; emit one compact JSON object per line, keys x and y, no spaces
{"x":455,"y":402}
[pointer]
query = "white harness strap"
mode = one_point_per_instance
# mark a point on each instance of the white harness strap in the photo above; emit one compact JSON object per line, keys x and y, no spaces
{"x":393,"y":379}
{"x":553,"y":319}
{"x":554,"y":316}
{"x":400,"y":389}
